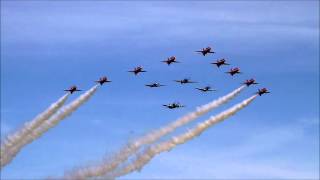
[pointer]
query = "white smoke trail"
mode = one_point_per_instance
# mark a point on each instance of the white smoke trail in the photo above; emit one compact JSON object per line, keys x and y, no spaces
{"x":120,"y":157}
{"x":53,"y":121}
{"x":13,"y":139}
{"x":152,"y":151}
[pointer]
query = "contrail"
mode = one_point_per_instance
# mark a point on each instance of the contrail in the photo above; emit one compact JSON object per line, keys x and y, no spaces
{"x":143,"y":158}
{"x":131,"y":148}
{"x":13,"y":139}
{"x":53,"y":121}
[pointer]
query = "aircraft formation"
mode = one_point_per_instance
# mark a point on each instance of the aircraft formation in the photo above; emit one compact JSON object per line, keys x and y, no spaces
{"x":172,"y":60}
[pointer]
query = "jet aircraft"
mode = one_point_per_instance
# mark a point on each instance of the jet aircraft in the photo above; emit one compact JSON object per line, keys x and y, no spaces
{"x":173,"y":105}
{"x":249,"y":82}
{"x":170,"y":60}
{"x":234,"y":71}
{"x":206,"y":89}
{"x":262,"y":91}
{"x":220,"y":62}
{"x":72,"y":89}
{"x":184,"y":81}
{"x":103,"y":80}
{"x":154,"y":85}
{"x":205,"y":51}
{"x":137,"y":70}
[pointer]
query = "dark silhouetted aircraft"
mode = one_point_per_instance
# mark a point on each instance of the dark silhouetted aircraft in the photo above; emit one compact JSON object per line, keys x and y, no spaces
{"x":72,"y":89}
{"x":184,"y":81}
{"x":206,"y":89}
{"x":249,"y":82}
{"x":220,"y":62}
{"x":137,"y":70}
{"x":103,"y":80}
{"x":205,"y":51}
{"x":262,"y":91}
{"x":173,"y":105}
{"x":234,"y":71}
{"x":170,"y":60}
{"x":154,"y":85}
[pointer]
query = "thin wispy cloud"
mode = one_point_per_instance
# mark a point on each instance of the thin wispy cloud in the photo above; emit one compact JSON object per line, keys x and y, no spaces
{"x":184,"y":21}
{"x":276,"y":42}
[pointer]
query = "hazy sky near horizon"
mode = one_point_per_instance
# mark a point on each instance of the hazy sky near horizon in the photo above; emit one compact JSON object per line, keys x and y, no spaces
{"x":49,"y":46}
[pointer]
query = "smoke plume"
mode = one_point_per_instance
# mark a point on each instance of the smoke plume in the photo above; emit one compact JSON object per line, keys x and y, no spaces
{"x":109,"y":165}
{"x":15,"y":138}
{"x":50,"y":123}
{"x":143,"y":158}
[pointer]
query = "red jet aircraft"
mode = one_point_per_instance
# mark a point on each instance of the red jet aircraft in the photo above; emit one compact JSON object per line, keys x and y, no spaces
{"x":137,"y":70}
{"x":205,"y":51}
{"x":72,"y":89}
{"x":220,"y":62}
{"x":170,"y":60}
{"x":103,"y":80}
{"x":234,"y":71}
{"x":250,"y":82}
{"x":262,"y":91}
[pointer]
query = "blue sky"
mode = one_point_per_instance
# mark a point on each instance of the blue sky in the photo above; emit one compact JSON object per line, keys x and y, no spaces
{"x":48,"y":46}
